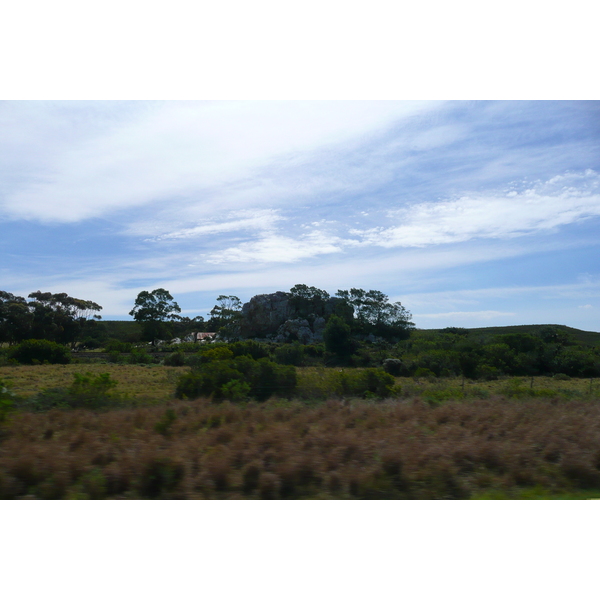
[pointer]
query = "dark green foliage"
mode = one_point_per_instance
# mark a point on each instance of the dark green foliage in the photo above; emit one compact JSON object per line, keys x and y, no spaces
{"x":290,"y":354}
{"x":365,"y":383}
{"x":15,"y":318}
{"x":338,"y":338}
{"x":55,"y":317}
{"x":577,"y":362}
{"x":225,"y":315}
{"x":33,"y":352}
{"x":154,"y":310}
{"x":375,"y":314}
{"x":87,"y":391}
{"x":250,"y":348}
{"x":225,"y":377}
{"x":164,"y":425}
{"x":114,"y":345}
{"x":308,"y":301}
{"x":175,"y":359}
{"x":393,"y":366}
{"x":140,"y":357}
{"x":161,"y":475}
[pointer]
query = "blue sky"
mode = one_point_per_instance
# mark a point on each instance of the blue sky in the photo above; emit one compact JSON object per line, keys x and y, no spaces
{"x":470,"y":213}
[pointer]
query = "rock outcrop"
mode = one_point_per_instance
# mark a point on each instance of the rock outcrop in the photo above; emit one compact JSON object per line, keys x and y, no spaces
{"x":281,"y":318}
{"x":264,"y":314}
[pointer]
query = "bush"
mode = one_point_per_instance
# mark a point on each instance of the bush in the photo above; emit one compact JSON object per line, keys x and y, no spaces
{"x":176,"y":359}
{"x":249,"y":348}
{"x":423,"y":372}
{"x":116,"y":357}
{"x":87,"y":391}
{"x":236,"y":379}
{"x":487,"y":373}
{"x":117,"y":346}
{"x":290,"y":354}
{"x":337,"y":337}
{"x":393,"y":366}
{"x":140,"y":357}
{"x":366,"y":383}
{"x":561,"y":377}
{"x":35,"y":352}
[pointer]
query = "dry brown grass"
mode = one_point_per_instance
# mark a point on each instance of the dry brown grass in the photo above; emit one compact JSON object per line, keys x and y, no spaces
{"x":287,"y":450}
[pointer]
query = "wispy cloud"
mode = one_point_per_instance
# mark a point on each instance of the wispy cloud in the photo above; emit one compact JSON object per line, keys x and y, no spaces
{"x":277,"y":249}
{"x":168,"y":150}
{"x":242,"y":220}
{"x":562,"y":200}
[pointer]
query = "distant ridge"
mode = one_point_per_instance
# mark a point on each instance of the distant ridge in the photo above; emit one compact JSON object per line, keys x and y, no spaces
{"x":587,"y":338}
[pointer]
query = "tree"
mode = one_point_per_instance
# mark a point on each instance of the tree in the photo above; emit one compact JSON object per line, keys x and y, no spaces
{"x":154,"y":310}
{"x":60,"y":317}
{"x":337,"y":336}
{"x":225,"y":314}
{"x":15,"y":318}
{"x":374,"y":313}
{"x":308,"y":301}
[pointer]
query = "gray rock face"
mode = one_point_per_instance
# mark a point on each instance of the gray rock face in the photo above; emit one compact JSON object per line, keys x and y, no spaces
{"x":318,"y":329}
{"x":273,"y":316}
{"x":264,"y":314}
{"x":295,"y":329}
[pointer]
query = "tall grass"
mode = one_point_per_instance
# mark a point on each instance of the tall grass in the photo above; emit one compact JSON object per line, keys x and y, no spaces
{"x":362,"y":449}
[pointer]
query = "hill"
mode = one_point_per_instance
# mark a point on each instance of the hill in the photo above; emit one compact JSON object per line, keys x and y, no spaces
{"x":586,"y":338}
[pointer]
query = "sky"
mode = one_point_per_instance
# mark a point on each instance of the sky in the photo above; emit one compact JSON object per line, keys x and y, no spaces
{"x":470,"y":213}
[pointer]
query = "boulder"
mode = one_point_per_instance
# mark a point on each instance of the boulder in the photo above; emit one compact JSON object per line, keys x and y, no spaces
{"x":264,"y":314}
{"x":295,"y":329}
{"x":277,"y":317}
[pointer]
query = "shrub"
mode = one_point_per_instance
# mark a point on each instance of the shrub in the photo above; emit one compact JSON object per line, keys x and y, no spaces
{"x":214,"y":354}
{"x":117,"y":346}
{"x":164,"y":425}
{"x":338,"y":338}
{"x":423,"y":372}
{"x":249,"y":348}
{"x":140,"y":357}
{"x":176,"y":359}
{"x":487,"y":373}
{"x":34,"y":352}
{"x":115,"y":357}
{"x":366,"y":383}
{"x":87,"y":391}
{"x":290,"y":354}
{"x":236,"y":379}
{"x":393,"y":366}
{"x":159,"y":476}
{"x":561,"y":377}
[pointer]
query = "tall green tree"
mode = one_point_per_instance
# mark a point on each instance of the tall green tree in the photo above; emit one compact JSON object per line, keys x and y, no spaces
{"x":307,"y":301}
{"x":225,"y":314}
{"x":338,"y":338}
{"x":59,"y":317}
{"x":374,"y":313}
{"x":155,"y":310}
{"x":15,"y":318}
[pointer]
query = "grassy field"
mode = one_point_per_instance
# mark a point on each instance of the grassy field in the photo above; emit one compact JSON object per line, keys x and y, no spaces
{"x":435,"y":439}
{"x":151,"y":382}
{"x":157,"y":383}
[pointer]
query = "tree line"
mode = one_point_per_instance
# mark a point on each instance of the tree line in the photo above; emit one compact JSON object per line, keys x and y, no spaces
{"x":363,"y":329}
{"x":58,"y":318}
